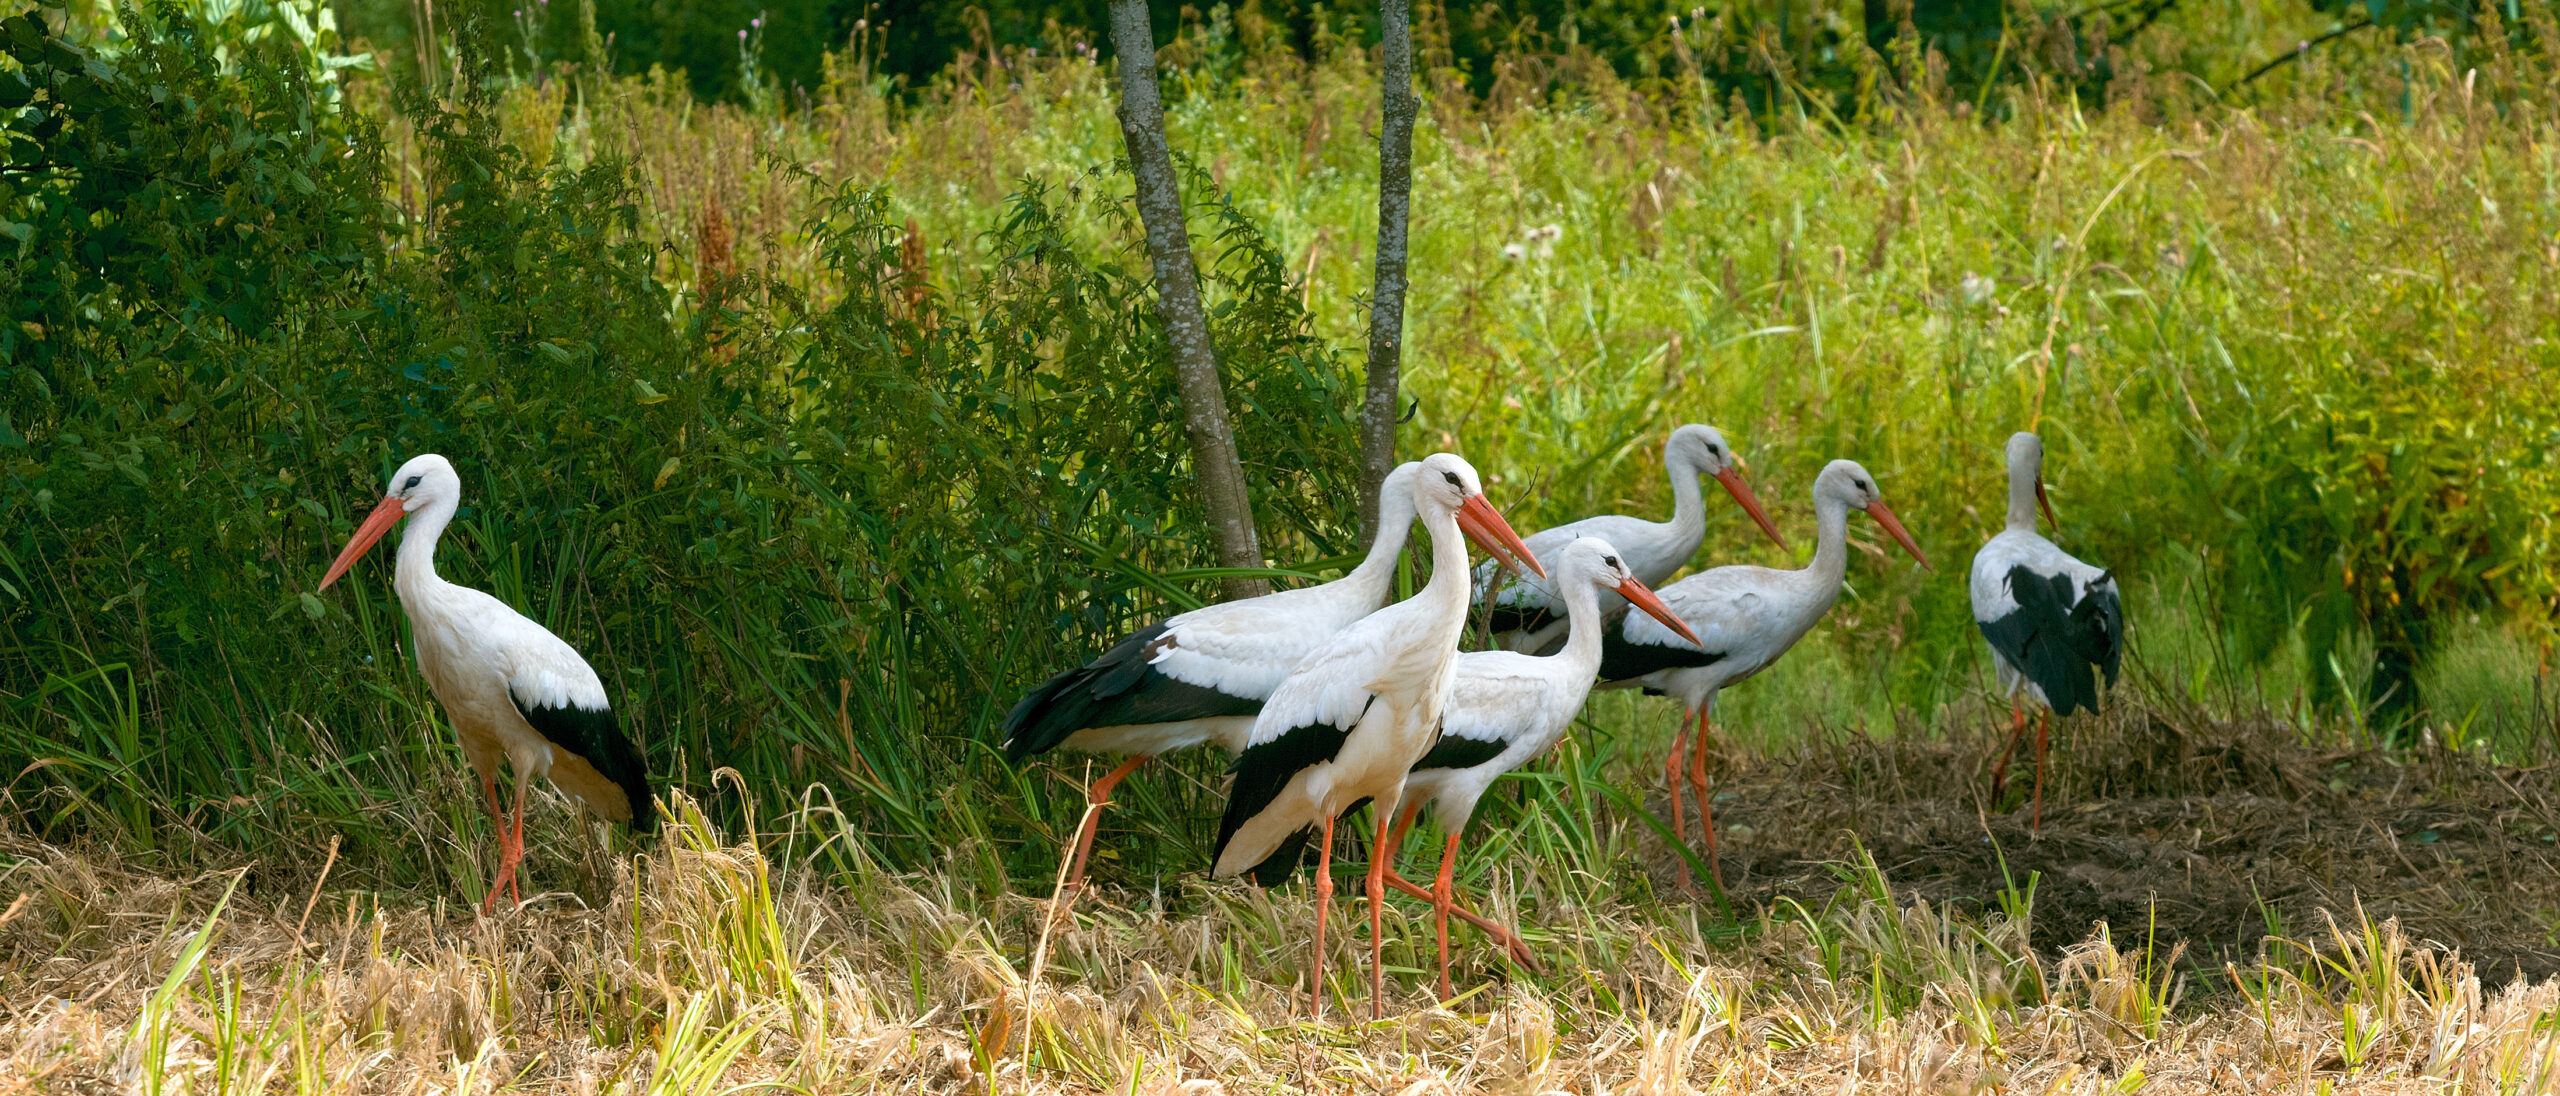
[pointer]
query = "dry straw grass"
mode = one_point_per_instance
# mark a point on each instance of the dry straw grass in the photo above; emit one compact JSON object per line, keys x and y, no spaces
{"x":703,"y":967}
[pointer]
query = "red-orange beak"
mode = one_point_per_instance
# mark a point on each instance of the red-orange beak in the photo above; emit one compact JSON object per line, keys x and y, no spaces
{"x":375,"y":524}
{"x":1741,"y":492}
{"x":1488,"y":529}
{"x":1642,"y":597}
{"x":2046,"y":505}
{"x":1485,"y":540}
{"x":1893,"y":525}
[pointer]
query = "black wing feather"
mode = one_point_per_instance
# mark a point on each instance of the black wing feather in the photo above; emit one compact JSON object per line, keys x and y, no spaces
{"x":593,"y":733}
{"x":2097,"y":625}
{"x":2056,"y":643}
{"x":1264,"y":769}
{"x":1120,"y":688}
{"x":1454,"y":752}
{"x":1621,"y":660}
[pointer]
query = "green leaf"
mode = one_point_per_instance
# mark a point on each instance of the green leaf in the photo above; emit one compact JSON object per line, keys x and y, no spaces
{"x":644,"y":394}
{"x":312,"y":606}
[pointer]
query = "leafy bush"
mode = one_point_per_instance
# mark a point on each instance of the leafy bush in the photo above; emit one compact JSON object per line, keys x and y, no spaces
{"x":803,"y":539}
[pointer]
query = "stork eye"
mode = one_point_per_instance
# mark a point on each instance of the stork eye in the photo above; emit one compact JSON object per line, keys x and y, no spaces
{"x":412,"y":485}
{"x":1611,"y":561}
{"x":1862,"y":485}
{"x":1452,"y":477}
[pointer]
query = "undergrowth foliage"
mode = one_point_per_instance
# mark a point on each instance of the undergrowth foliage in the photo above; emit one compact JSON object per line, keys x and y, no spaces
{"x":823,"y":430}
{"x":806,"y":539}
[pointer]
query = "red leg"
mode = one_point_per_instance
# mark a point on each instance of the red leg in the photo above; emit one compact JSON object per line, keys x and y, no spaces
{"x":1441,"y":901}
{"x":1377,"y":924}
{"x":510,"y":853}
{"x":489,"y":790}
{"x":1671,"y":784}
{"x":1324,"y":903}
{"x":2017,"y":730}
{"x":1509,"y":941}
{"x":2043,"y":727}
{"x":1096,"y":798}
{"x":1706,"y":803}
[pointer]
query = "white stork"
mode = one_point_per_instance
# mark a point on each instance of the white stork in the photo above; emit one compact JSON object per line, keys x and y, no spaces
{"x":1505,"y":709}
{"x":1527,"y":613}
{"x":2051,"y":620}
{"x":1199,"y":677}
{"x":1745,"y":618}
{"x":510,"y":688}
{"x":1355,"y":715}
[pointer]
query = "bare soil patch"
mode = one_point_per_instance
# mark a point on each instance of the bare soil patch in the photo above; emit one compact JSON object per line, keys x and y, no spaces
{"x":2214,"y":833}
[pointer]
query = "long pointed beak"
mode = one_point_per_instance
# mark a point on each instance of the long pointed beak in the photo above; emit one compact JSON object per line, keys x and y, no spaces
{"x":1741,"y":492}
{"x":2047,"y":505}
{"x":1490,"y":524}
{"x":1486,"y":540}
{"x":1893,"y":525}
{"x":378,"y":522}
{"x":1642,"y":597}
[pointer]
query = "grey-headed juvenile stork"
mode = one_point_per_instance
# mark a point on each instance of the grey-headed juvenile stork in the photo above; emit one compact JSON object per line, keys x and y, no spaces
{"x":1745,"y":618}
{"x":1353,"y":717}
{"x":510,"y":688}
{"x":1527,"y":613}
{"x":2053,"y":622}
{"x":1505,"y":709}
{"x":1200,"y":677}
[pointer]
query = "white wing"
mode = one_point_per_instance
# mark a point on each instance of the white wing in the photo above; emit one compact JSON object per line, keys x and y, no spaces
{"x":1247,"y":648}
{"x":1500,"y":696}
{"x":1641,"y":542}
{"x":1330,"y":686}
{"x":1730,"y":608}
{"x":538,"y":668}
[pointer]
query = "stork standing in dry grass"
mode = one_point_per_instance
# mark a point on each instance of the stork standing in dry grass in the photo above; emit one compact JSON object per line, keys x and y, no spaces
{"x":1353,"y":717}
{"x":1744,"y":618}
{"x":1506,"y":708}
{"x":510,"y":688}
{"x":2054,"y":623}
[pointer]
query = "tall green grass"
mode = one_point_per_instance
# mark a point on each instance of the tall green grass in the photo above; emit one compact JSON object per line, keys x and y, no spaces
{"x":824,"y":431}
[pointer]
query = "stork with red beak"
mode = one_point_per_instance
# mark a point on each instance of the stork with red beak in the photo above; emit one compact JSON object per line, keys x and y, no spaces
{"x":1505,"y":709}
{"x":1353,"y":717}
{"x":2054,"y":623}
{"x":1741,"y":619}
{"x":510,"y":688}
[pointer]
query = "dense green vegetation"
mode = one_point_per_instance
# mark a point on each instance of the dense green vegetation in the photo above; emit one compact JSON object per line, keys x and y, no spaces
{"x":826,"y":423}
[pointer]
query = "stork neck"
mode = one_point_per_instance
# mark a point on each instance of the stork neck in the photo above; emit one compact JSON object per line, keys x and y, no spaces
{"x":1582,"y":609}
{"x":1688,"y":503}
{"x":1831,"y":544}
{"x":2022,"y":495}
{"x":1395,"y":523}
{"x":1450,"y":580}
{"x":416,"y":569}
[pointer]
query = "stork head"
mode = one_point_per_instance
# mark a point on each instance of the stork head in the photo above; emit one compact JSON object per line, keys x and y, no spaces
{"x":1849,"y":485}
{"x":1592,"y":560}
{"x":427,"y":478}
{"x":1699,"y":449}
{"x":1445,"y":483}
{"x":2026,"y":465}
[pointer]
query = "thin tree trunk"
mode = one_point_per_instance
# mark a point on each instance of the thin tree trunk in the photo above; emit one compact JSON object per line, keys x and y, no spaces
{"x":1386,"y":301}
{"x":1204,"y":398}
